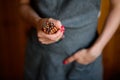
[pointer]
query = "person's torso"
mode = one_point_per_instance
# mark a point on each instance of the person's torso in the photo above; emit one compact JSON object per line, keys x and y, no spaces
{"x":79,"y":17}
{"x":72,"y":13}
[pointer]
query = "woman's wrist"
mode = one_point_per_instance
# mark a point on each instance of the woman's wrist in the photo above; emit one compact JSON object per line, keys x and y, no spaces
{"x":96,"y":50}
{"x":37,"y":22}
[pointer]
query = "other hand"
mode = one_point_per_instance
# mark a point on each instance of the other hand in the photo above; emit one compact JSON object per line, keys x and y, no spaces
{"x":84,"y":56}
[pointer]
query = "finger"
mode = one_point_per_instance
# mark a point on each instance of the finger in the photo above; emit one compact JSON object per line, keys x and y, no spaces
{"x":53,"y":41}
{"x":69,"y":60}
{"x":55,"y":36}
{"x":42,"y":39}
{"x":41,"y":34}
{"x":45,"y":41}
{"x":46,"y":37}
{"x":48,"y":42}
{"x":58,"y":24}
{"x":63,"y":28}
{"x":61,"y":36}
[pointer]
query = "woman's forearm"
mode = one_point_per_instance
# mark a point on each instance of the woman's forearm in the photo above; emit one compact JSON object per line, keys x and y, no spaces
{"x":29,"y":14}
{"x":111,"y":25}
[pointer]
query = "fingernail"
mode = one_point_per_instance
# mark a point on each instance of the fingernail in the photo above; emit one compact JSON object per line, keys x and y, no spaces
{"x":62,"y":30}
{"x":64,"y":62}
{"x":62,"y":27}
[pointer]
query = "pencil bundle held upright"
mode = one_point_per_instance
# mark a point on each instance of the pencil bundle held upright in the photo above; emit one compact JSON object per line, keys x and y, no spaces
{"x":49,"y":28}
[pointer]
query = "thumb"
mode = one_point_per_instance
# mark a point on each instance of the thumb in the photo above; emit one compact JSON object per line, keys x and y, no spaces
{"x":69,"y":59}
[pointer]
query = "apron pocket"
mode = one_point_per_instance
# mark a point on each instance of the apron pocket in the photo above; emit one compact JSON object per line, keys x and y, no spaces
{"x":80,"y":71}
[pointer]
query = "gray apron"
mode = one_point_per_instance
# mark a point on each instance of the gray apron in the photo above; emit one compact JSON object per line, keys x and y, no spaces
{"x":45,"y":62}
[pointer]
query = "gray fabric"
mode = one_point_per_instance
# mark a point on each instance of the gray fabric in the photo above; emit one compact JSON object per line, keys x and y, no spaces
{"x":45,"y":62}
{"x":71,"y":12}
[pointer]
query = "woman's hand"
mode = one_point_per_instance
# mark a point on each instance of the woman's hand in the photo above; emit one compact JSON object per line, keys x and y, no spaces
{"x":49,"y":38}
{"x":84,"y":56}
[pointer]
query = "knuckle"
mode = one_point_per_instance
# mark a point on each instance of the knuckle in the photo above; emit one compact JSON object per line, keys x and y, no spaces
{"x":85,"y":63}
{"x":76,"y":56}
{"x":68,"y":60}
{"x":58,"y":22}
{"x":50,"y":38}
{"x":61,"y":35}
{"x":50,"y":19}
{"x":71,"y":59}
{"x":39,"y":34}
{"x":40,"y":40}
{"x":43,"y":42}
{"x":53,"y":38}
{"x":57,"y":39}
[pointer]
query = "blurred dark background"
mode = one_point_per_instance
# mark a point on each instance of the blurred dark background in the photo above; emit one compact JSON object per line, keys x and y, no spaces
{"x":13,"y":36}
